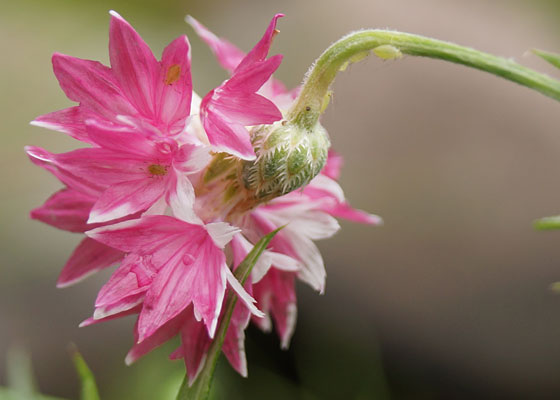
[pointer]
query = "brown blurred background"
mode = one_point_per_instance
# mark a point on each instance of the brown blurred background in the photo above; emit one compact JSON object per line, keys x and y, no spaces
{"x":450,"y":299}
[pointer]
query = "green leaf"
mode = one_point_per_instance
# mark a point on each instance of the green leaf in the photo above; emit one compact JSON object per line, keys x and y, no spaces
{"x":552,"y":58}
{"x":200,"y":389}
{"x":548,"y":223}
{"x":89,"y":387}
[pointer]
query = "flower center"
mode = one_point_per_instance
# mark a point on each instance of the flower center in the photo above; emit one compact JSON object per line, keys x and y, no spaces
{"x":173,"y":74}
{"x":157,"y":169}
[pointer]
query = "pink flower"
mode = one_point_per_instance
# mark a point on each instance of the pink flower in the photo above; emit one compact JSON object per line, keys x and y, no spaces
{"x":139,"y":193}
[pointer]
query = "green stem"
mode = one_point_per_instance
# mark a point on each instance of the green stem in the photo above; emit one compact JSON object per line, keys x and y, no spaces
{"x":309,"y":105}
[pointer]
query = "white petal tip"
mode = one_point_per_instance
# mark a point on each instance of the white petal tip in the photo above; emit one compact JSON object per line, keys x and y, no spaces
{"x":62,"y":285}
{"x":115,"y":14}
{"x":129,"y":359}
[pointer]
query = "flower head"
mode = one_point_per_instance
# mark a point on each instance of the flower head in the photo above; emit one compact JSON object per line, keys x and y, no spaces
{"x":177,"y":192}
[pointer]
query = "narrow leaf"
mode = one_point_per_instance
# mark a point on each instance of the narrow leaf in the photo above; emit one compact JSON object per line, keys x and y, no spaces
{"x":89,"y":387}
{"x":547,"y":223}
{"x":552,"y":58}
{"x":200,"y":389}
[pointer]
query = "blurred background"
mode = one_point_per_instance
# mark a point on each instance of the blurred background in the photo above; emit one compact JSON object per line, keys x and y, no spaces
{"x":450,"y":299}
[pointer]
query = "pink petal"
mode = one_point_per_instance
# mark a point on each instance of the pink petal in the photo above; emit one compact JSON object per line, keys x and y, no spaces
{"x":174,"y":91}
{"x":92,"y":85}
{"x":234,"y":343}
{"x":194,"y":345}
{"x":133,"y":64}
{"x":344,"y":210}
{"x":333,"y":166}
{"x":93,"y":321}
{"x":126,"y":287}
{"x":251,"y":78}
{"x":184,"y":280}
{"x":67,"y":209}
{"x":247,"y":109}
{"x":50,"y":162}
{"x":127,"y":198}
{"x":162,"y":335}
{"x":88,"y":258}
{"x":122,"y":139}
{"x":276,"y":295}
{"x":146,"y":236}
{"x":229,"y":56}
{"x":260,"y":51}
{"x":68,"y":120}
{"x":226,"y":135}
{"x":102,"y":167}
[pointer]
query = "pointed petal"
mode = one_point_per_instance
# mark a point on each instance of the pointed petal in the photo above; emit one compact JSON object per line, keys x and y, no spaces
{"x":313,"y":268}
{"x":92,"y":85}
{"x":93,"y":321}
{"x":49,"y":161}
{"x":194,"y":346}
{"x":234,"y":342}
{"x":277,"y":292}
{"x":260,"y":51}
{"x":67,"y":209}
{"x":162,"y":335}
{"x":88,"y":258}
{"x":344,"y":210}
{"x":68,"y":120}
{"x":175,"y":85}
{"x":133,"y":63}
{"x":245,"y":297}
{"x":228,"y":55}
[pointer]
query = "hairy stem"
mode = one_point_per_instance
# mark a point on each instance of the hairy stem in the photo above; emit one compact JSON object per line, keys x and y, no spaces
{"x":310,"y":103}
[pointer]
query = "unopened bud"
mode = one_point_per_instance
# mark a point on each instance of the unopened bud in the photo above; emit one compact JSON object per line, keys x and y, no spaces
{"x":288,"y":157}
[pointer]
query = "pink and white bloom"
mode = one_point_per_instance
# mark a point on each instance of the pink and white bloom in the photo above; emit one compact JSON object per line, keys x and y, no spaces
{"x":138,"y":192}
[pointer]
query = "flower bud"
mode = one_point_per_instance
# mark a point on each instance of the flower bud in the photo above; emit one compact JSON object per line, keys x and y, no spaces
{"x":288,"y":157}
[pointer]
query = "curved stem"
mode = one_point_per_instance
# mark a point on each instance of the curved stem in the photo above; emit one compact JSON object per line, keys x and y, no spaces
{"x":307,"y":108}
